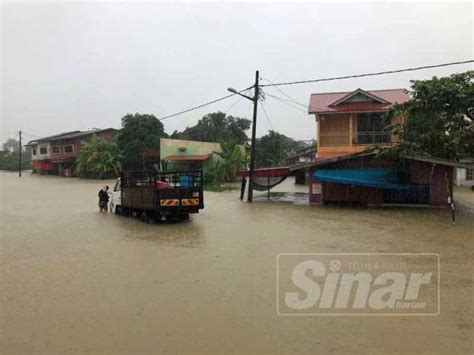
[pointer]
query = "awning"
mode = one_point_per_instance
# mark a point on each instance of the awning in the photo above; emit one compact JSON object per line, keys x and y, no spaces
{"x":383,"y":178}
{"x":191,"y":157}
{"x":42,"y":165}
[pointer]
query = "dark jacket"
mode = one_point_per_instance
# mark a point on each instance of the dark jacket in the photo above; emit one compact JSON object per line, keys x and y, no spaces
{"x":103,"y":196}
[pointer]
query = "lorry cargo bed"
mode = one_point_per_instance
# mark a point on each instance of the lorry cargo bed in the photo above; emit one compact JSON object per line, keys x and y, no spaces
{"x":162,"y":193}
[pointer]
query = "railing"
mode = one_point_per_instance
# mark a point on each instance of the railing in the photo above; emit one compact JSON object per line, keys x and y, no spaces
{"x":63,"y":156}
{"x":181,"y":179}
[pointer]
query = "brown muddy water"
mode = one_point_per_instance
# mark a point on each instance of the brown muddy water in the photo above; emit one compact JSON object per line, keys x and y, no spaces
{"x":74,"y":281}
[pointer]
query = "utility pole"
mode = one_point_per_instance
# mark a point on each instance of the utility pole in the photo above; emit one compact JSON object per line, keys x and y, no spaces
{"x":254,"y":99}
{"x":19,"y":156}
{"x":254,"y":132}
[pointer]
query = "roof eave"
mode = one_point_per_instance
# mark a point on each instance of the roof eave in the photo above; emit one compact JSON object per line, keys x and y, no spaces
{"x":375,"y":151}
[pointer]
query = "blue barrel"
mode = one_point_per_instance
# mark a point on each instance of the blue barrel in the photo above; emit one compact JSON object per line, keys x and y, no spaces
{"x":186,"y":181}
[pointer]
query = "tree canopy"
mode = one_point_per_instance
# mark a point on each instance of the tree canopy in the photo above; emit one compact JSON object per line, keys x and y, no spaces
{"x":11,"y":145}
{"x":216,"y":127}
{"x":140,"y":132}
{"x":9,"y":161}
{"x":439,"y":118}
{"x":273,"y":149}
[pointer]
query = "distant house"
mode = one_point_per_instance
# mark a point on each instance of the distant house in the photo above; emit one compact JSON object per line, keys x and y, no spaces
{"x":351,"y":122}
{"x":302,"y":155}
{"x":179,"y":154}
{"x":57,"y":154}
{"x":41,"y":153}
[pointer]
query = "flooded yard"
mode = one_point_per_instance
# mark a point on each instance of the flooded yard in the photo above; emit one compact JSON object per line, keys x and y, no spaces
{"x":79,"y":282}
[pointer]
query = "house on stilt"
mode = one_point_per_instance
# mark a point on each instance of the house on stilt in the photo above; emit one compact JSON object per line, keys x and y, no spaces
{"x":350,"y":169}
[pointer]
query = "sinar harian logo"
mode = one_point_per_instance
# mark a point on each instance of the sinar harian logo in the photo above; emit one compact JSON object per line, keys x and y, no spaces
{"x":364,"y":284}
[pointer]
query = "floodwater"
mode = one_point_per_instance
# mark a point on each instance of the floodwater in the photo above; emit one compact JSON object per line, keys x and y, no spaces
{"x":74,"y":281}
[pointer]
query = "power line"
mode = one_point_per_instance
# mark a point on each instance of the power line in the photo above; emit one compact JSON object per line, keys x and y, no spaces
{"x":369,"y":74}
{"x":11,"y":133}
{"x":317,"y":80}
{"x":266,"y":116}
{"x":286,"y":102}
{"x":233,"y":105}
{"x":31,"y":135}
{"x":196,"y":107}
{"x":310,"y":107}
{"x":203,"y":105}
{"x":284,"y":93}
{"x":292,"y":99}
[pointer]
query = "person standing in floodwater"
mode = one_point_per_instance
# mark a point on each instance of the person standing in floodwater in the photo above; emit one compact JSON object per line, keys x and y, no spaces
{"x":103,"y":199}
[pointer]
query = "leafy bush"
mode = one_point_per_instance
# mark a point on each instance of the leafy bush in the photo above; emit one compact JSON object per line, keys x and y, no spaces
{"x":98,"y":159}
{"x":214,"y":176}
{"x":232,"y":159}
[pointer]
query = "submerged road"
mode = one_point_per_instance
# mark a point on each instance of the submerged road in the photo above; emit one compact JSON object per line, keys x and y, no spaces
{"x":74,"y":281}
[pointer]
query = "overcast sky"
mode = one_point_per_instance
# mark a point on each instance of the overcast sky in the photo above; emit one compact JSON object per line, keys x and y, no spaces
{"x":74,"y":66}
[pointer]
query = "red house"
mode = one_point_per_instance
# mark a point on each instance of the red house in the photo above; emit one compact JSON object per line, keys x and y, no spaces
{"x":57,"y":154}
{"x":367,"y":178}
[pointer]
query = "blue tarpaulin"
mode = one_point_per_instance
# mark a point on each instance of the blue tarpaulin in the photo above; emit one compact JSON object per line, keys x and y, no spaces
{"x":383,"y":178}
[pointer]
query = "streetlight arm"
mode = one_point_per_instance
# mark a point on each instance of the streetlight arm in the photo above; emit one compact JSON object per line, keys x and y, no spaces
{"x":238,"y":93}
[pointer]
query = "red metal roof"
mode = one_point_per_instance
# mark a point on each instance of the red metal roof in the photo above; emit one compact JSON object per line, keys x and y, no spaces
{"x":267,"y":172}
{"x":199,"y":157}
{"x":322,"y":103}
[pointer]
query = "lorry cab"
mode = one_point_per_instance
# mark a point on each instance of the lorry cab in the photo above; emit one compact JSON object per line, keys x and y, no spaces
{"x":116,"y":198}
